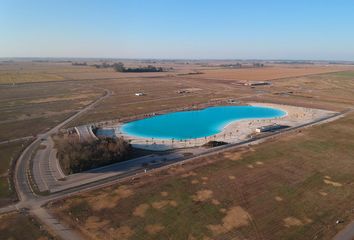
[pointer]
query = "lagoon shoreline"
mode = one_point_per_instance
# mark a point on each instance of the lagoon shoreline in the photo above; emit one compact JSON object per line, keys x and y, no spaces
{"x":233,"y":132}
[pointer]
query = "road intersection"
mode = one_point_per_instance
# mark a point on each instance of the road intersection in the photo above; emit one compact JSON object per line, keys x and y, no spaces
{"x":47,"y":173}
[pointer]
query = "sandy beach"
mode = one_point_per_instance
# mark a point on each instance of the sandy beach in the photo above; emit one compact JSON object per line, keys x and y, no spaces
{"x":234,"y":132}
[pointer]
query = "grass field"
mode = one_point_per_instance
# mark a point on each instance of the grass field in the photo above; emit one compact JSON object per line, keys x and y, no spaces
{"x":333,"y":91}
{"x":16,"y":226}
{"x":292,"y":188}
{"x":268,"y":73}
{"x":8,"y":152}
{"x":29,"y":72}
{"x":279,"y":190}
{"x":29,"y":109}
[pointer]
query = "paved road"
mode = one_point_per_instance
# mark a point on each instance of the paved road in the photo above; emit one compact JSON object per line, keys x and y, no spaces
{"x":23,"y":189}
{"x":45,"y":169}
{"x":54,"y":224}
{"x":29,"y":199}
{"x":33,"y":202}
{"x":174,"y":160}
{"x":85,"y":133}
{"x":347,"y":233}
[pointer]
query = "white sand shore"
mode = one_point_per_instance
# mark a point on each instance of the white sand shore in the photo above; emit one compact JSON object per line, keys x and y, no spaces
{"x":236,"y":131}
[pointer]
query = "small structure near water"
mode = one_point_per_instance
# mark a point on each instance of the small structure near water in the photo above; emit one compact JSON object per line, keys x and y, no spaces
{"x":253,"y":84}
{"x":269,"y":128}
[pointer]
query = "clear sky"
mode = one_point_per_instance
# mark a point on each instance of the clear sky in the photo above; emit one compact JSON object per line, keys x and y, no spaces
{"x":231,"y":29}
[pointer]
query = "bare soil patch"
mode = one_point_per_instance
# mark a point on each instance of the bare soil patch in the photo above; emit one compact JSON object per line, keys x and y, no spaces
{"x":123,"y":232}
{"x":235,"y":217}
{"x":141,"y":210}
{"x":154,"y":228}
{"x":164,"y":194}
{"x":292,"y":221}
{"x":109,"y":200}
{"x":202,"y":195}
{"x":164,"y":203}
{"x":279,"y":199}
{"x":334,"y":184}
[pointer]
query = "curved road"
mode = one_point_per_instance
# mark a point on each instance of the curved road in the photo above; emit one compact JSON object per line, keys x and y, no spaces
{"x":29,"y":200}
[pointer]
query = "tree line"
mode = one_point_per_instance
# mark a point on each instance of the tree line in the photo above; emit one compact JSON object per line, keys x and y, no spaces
{"x":76,"y":156}
{"x":119,"y":67}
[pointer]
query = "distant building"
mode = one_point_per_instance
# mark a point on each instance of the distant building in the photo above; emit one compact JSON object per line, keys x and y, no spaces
{"x":268,"y":128}
{"x":253,"y":84}
{"x":182,"y":91}
{"x":233,"y":101}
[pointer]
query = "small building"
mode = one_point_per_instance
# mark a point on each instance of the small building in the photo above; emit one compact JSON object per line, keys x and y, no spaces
{"x":253,"y":84}
{"x":182,"y":91}
{"x":232,"y":101}
{"x":139,"y":94}
{"x":268,"y":128}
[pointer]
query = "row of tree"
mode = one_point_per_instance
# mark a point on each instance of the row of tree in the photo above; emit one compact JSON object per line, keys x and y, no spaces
{"x":79,"y":63}
{"x":239,"y":65}
{"x":119,"y":67}
{"x":76,"y":156}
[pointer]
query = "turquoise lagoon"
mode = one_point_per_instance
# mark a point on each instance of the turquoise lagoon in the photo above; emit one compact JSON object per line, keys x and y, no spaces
{"x":196,"y":123}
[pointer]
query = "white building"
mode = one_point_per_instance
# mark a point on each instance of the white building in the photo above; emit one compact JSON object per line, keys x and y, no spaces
{"x":268,"y":128}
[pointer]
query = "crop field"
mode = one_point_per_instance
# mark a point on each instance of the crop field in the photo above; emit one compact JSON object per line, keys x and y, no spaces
{"x":29,"y":109}
{"x":28,"y":72}
{"x":42,"y":104}
{"x":267,"y":73}
{"x":19,"y":226}
{"x":278,"y":190}
{"x":161,"y":94}
{"x":333,"y":91}
{"x":295,"y":187}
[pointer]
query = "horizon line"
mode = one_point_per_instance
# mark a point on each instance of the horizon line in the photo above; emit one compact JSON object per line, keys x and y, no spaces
{"x":182,"y":59}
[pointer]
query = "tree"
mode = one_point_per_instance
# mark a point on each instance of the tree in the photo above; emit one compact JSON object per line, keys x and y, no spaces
{"x":77,"y":157}
{"x":119,"y":67}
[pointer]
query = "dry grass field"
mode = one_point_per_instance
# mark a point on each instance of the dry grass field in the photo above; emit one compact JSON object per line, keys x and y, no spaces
{"x":268,"y":73}
{"x":288,"y":176}
{"x":8,"y":152}
{"x":332,"y":91}
{"x":295,"y":187}
{"x":29,"y":109}
{"x":29,"y":71}
{"x":18,"y":226}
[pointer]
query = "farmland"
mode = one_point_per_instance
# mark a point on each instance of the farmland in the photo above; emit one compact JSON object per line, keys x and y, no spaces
{"x":176,"y":120}
{"x":20,"y":226}
{"x":267,"y":73}
{"x":283,"y":189}
{"x":275,"y":189}
{"x":8,"y":154}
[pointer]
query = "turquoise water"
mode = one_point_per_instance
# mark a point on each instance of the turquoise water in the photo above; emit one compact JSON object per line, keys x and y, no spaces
{"x":196,"y":124}
{"x":105,"y":132}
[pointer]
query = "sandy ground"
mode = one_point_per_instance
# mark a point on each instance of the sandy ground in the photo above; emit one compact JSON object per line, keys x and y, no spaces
{"x":235,"y":132}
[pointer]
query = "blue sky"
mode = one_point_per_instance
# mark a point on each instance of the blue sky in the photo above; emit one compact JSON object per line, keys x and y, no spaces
{"x":192,"y":29}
